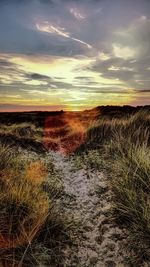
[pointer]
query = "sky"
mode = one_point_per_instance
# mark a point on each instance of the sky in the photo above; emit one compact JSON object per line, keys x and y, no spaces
{"x":74,"y":54}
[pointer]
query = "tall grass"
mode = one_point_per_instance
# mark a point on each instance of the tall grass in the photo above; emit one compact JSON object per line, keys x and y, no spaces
{"x":124,"y":146}
{"x":129,"y":172}
{"x":23,"y":205}
{"x":32,"y":233}
{"x":25,"y":135}
{"x":22,"y":130}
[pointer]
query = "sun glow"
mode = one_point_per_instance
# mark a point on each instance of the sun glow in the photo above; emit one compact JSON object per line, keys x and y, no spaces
{"x":64,"y":73}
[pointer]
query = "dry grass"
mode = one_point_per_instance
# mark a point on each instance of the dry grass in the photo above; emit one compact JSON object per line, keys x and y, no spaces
{"x":129,"y":171}
{"x":90,"y":160}
{"x":32,"y":232}
{"x":123,"y":146}
{"x":23,"y":205}
{"x":22,"y":130}
{"x":25,"y":135}
{"x":36,"y":172}
{"x":67,"y":132}
{"x":135,"y":127}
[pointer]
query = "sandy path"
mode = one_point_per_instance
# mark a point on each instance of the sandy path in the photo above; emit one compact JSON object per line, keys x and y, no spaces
{"x":88,"y":199}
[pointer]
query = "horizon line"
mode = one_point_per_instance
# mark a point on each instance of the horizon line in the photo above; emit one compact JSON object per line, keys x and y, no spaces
{"x":61,"y":110}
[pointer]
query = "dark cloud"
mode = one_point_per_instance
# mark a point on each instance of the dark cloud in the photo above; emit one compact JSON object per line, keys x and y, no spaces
{"x":83,"y":78}
{"x":104,"y":65}
{"x":133,"y":72}
{"x":77,"y":29}
{"x":4,"y":63}
{"x":36,"y":76}
{"x":143,"y":91}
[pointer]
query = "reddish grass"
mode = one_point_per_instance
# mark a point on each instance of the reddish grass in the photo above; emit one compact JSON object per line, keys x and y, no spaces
{"x":66,"y":132}
{"x":63,"y":132}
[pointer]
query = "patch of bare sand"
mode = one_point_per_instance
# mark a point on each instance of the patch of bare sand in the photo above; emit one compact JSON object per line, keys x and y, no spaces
{"x":88,"y":198}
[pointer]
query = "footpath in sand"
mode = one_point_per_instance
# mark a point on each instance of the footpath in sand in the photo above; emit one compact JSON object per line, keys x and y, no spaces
{"x":88,"y":199}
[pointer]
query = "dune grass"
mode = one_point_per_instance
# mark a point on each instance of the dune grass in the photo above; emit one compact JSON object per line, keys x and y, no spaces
{"x":25,"y":135}
{"x":121,"y":147}
{"x":22,"y":130}
{"x":32,"y":232}
{"x":23,"y":205}
{"x":129,"y":172}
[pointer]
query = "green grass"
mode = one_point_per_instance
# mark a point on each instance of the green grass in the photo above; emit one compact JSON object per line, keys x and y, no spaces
{"x":25,"y":135}
{"x":22,"y":130}
{"x":89,"y":160}
{"x":121,"y":147}
{"x":32,"y":230}
{"x":129,"y":172}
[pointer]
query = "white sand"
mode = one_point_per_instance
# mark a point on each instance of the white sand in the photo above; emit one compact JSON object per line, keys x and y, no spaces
{"x":89,"y":201}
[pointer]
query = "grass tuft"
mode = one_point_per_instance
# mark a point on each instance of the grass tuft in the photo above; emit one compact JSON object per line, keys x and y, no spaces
{"x":122,"y":147}
{"x":32,"y":233}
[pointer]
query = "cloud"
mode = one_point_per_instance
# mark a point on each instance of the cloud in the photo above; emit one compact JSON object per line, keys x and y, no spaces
{"x":5,"y":64}
{"x":37,"y":76}
{"x":124,"y":52}
{"x":134,"y":73}
{"x":143,"y":91}
{"x":91,"y":49}
{"x":77,"y":14}
{"x":48,"y":28}
{"x":68,"y":28}
{"x":26,"y":34}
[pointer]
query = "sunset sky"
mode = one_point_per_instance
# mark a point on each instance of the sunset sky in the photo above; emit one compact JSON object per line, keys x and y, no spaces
{"x":74,"y":54}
